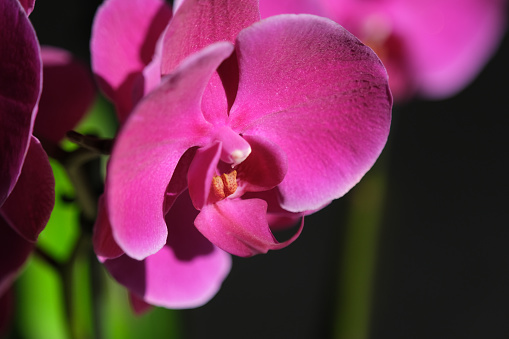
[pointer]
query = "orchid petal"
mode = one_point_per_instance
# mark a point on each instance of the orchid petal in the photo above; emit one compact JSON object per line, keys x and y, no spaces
{"x":68,"y":92}
{"x":20,"y":71}
{"x":186,"y":272}
{"x":150,"y":76}
{"x":161,"y":128}
{"x":202,"y":169}
{"x":178,"y":182}
{"x":139,"y":305}
{"x":28,"y":5}
{"x":123,"y":43}
{"x":270,"y":8}
{"x":105,"y":246}
{"x":309,"y":86}
{"x":188,"y":32}
{"x":6,"y":309}
{"x":239,"y":227}
{"x":176,"y":5}
{"x":264,"y":168}
{"x":277,"y":217}
{"x":28,"y":208}
{"x":466,"y":32}
{"x":16,"y":249}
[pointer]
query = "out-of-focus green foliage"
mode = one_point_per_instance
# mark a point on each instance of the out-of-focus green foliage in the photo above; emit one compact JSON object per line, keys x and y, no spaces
{"x":53,"y":300}
{"x":39,"y":309}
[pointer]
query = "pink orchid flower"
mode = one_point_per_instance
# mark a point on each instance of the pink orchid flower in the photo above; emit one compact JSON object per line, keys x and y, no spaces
{"x":26,"y":183}
{"x":433,"y":48}
{"x":252,"y":123}
{"x":125,"y":59}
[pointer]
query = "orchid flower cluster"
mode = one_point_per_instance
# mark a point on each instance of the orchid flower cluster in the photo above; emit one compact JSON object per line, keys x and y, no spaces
{"x":231,"y":126}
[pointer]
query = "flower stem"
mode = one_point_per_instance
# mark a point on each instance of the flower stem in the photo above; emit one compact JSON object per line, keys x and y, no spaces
{"x":357,"y":266}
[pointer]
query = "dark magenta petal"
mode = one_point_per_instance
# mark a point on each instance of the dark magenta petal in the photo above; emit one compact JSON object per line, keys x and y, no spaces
{"x":202,"y":169}
{"x":239,"y":227}
{"x":28,"y":208}
{"x":309,"y":86}
{"x":124,"y":37}
{"x":264,"y":168}
{"x":14,"y":251}
{"x":163,"y":126}
{"x":138,"y":304}
{"x":6,"y":310}
{"x":20,"y":71}
{"x":105,"y":246}
{"x":68,"y":92}
{"x":187,"y":272}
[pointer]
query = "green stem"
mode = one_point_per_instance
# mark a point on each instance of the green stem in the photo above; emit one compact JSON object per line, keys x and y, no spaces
{"x":73,"y":163}
{"x":357,"y":267}
{"x":65,"y":272}
{"x":62,"y":270}
{"x":86,"y":198}
{"x":96,"y":291}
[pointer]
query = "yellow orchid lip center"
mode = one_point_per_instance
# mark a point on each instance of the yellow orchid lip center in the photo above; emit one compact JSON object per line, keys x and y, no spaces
{"x":224,"y":185}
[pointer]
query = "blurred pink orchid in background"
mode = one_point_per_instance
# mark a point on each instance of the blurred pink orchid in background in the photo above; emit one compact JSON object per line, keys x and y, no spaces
{"x":26,"y":183}
{"x":433,"y":48}
{"x":125,"y":61}
{"x":245,"y":123}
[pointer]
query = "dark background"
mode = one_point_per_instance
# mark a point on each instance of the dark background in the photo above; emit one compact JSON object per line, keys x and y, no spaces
{"x":442,"y":262}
